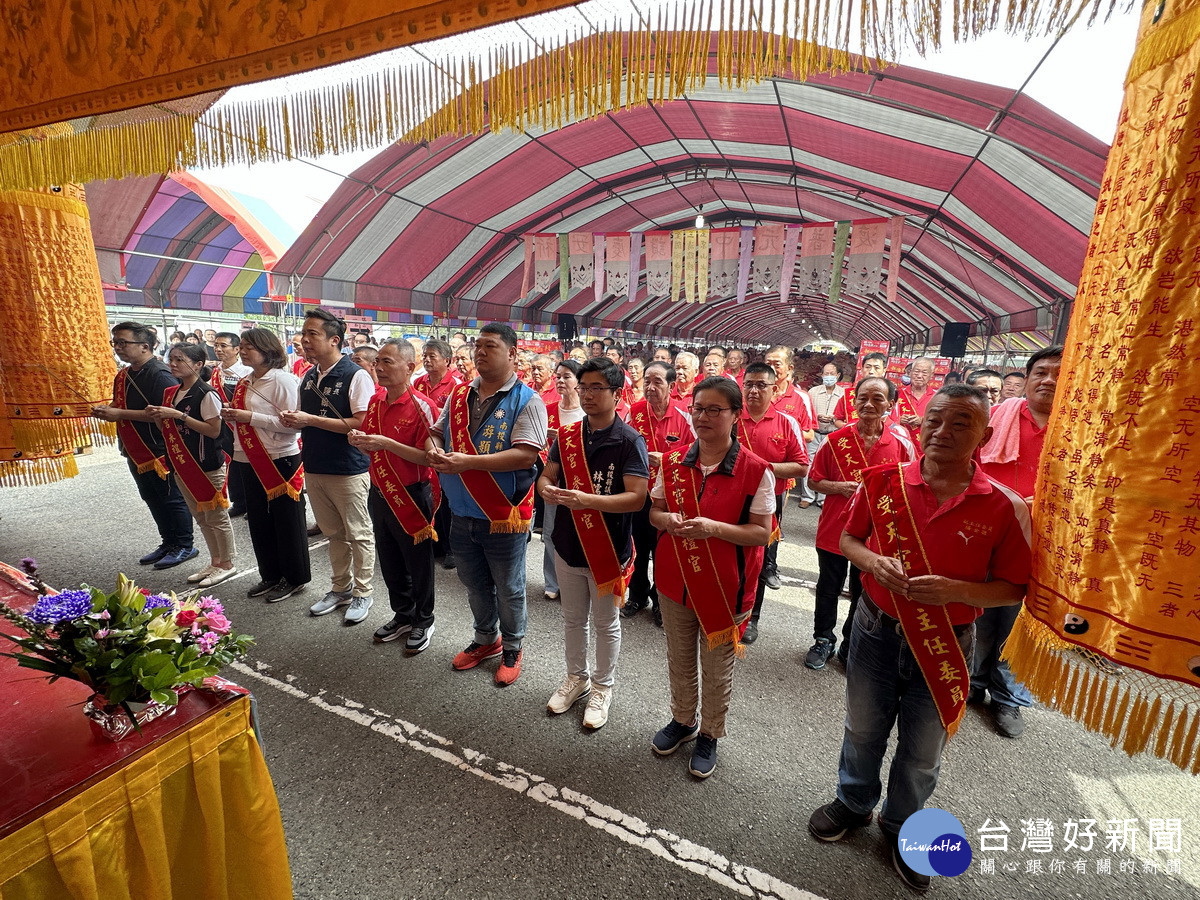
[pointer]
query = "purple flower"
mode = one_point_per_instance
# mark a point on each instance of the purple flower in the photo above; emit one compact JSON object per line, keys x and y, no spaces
{"x":29,"y":565}
{"x":64,"y":607}
{"x":207,"y":641}
{"x":156,"y":601}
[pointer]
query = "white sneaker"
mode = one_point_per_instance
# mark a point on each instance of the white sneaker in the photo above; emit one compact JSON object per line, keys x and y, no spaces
{"x":216,"y":575}
{"x":596,"y":713}
{"x":202,"y":574}
{"x":574,"y":687}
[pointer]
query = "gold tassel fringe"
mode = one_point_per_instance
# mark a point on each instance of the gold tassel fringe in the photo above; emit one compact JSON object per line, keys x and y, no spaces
{"x":28,"y":472}
{"x":525,"y":85}
{"x":1123,"y":705}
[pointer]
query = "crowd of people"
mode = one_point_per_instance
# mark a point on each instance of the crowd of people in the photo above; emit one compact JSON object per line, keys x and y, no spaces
{"x":658,"y":478}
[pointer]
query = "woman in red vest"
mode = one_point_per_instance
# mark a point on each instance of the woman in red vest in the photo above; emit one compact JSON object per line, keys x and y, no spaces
{"x":713,"y":502}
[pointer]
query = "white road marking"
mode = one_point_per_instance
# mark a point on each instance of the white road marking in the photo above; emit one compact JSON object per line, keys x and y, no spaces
{"x":744,"y":880}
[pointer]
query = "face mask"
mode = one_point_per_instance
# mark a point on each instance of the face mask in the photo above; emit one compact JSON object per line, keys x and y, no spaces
{"x":904,"y":379}
{"x":829,"y":380}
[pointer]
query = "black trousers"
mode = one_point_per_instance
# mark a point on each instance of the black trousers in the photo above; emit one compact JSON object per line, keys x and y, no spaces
{"x":236,"y":487}
{"x":645,"y":536}
{"x":167,"y":506}
{"x":830,"y":579}
{"x":407,"y":567}
{"x":770,"y":562}
{"x":442,"y":520}
{"x":278,"y":528}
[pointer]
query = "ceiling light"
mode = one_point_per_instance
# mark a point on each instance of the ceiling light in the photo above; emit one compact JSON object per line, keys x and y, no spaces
{"x":700,"y":220}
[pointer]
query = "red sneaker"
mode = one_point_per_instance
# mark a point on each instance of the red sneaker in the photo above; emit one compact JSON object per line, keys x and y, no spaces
{"x":510,"y":668}
{"x":477,"y":653}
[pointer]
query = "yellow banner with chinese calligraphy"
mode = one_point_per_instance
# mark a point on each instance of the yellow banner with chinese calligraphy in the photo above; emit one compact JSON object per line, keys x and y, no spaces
{"x":1110,"y":634}
{"x":55,"y":364}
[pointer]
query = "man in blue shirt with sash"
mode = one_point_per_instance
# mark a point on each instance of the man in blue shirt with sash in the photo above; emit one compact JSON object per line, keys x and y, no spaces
{"x":484,"y":448}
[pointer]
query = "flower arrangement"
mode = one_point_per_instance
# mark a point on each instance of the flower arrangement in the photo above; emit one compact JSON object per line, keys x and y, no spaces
{"x":128,"y":646}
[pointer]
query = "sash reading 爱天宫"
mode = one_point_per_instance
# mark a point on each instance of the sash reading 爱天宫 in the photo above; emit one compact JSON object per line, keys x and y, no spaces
{"x":274,"y":484}
{"x":385,"y":477}
{"x":144,"y":459}
{"x":186,"y":467}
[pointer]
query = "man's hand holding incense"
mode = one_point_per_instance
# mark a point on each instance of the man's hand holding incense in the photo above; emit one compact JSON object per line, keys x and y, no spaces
{"x":889,"y":572}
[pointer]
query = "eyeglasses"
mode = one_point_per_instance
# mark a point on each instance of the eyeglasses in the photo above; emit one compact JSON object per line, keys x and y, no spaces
{"x":121,"y":345}
{"x":758,"y":385}
{"x":710,"y":411}
{"x":594,"y":388}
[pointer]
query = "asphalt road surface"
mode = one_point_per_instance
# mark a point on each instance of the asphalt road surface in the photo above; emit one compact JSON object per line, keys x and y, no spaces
{"x":399,"y":777}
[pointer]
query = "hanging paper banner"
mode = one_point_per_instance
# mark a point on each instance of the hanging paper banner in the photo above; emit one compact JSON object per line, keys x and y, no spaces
{"x":658,"y":263}
{"x":864,"y":265}
{"x":787,"y":273}
{"x":816,"y":259}
{"x":678,"y":276}
{"x":616,"y":264}
{"x":768,"y":258}
{"x":747,"y":236}
{"x":581,"y":256}
{"x":895,"y":246}
{"x":598,"y":264}
{"x":702,"y":250}
{"x":635,"y":264}
{"x":723,"y":265}
{"x":564,"y":269}
{"x":545,"y":261}
{"x":841,"y":240}
{"x":527,"y":271}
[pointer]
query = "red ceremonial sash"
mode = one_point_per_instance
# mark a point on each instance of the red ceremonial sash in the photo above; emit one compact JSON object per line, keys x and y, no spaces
{"x":142,"y":456}
{"x":610,"y":576}
{"x":218,"y":385}
{"x":704,"y":583}
{"x":849,"y":455}
{"x":260,"y":461}
{"x":551,"y":428}
{"x":503,"y":516}
{"x":187,"y":469}
{"x":385,"y":477}
{"x":927,"y":629}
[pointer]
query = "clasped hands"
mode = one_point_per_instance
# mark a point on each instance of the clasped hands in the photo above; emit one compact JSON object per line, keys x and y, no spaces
{"x":698,"y":529}
{"x":926,"y":590}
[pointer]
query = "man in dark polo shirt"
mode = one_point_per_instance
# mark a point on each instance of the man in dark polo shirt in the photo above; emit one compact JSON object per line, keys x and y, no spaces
{"x":913,"y":637}
{"x":334,"y":395}
{"x":608,"y":458}
{"x":139,"y":385}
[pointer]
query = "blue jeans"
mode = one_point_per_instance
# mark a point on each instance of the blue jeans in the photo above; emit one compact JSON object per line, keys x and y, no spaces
{"x":884,"y":684}
{"x":990,"y":672}
{"x":167,"y":507}
{"x":492,"y":569}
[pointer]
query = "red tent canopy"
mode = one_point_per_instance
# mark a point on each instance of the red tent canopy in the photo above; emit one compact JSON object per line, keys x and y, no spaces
{"x":997,"y":193}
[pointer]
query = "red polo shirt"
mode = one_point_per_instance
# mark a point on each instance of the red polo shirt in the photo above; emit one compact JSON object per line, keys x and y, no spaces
{"x":672,"y":431}
{"x":408,"y":420}
{"x":438,"y":393}
{"x":982,"y":534}
{"x":1021,"y":474}
{"x":919,"y":405}
{"x":798,"y":405}
{"x":775,"y":438}
{"x":549,"y":394}
{"x":888,"y":449}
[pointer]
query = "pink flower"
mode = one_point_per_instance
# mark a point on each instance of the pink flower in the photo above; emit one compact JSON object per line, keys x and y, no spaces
{"x":186,"y":618}
{"x":102,"y":633}
{"x":207,"y":641}
{"x":217,"y":622}
{"x":211,"y":604}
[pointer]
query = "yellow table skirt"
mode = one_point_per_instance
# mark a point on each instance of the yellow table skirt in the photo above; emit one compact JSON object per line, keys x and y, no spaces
{"x":194,"y":818}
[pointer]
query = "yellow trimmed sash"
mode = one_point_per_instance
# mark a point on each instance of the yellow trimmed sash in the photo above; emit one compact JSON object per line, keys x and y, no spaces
{"x":142,"y":456}
{"x":186,"y":468}
{"x":385,"y":477}
{"x":501,"y":513}
{"x":264,"y":467}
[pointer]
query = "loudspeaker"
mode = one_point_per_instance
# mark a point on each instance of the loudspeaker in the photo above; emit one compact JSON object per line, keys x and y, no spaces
{"x":567,"y":330}
{"x":954,"y":339}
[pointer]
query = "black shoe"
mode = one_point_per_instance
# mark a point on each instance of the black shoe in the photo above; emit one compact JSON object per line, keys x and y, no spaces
{"x":261,"y":588}
{"x":704,"y":757}
{"x":448,"y":561}
{"x":176,"y":556}
{"x":314,"y":531}
{"x":418,"y":640}
{"x":657,"y":614}
{"x":771,"y":580}
{"x":751,"y":633}
{"x":282,"y":591}
{"x":1008,"y":720}
{"x":911,"y":877}
{"x":633,"y":607}
{"x":236,"y":511}
{"x":831,"y":822}
{"x":818,"y":654}
{"x":977,"y":696}
{"x":672,"y":735}
{"x":155,"y":555}
{"x":391,"y":630}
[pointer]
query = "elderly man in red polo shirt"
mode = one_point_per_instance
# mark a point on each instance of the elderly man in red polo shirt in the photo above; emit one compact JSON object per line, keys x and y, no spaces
{"x":937,"y":541}
{"x":1011,"y":458}
{"x":774,"y":437}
